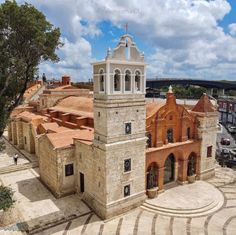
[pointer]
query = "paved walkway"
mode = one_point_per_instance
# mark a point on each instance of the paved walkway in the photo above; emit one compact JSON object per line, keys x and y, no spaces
{"x":6,"y":156}
{"x":38,"y":206}
{"x":191,"y":200}
{"x":25,"y":160}
{"x":142,"y":221}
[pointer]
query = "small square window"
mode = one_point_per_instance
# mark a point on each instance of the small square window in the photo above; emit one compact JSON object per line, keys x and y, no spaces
{"x":127,"y":190}
{"x":69,"y":169}
{"x":127,"y":165}
{"x":128,"y":128}
{"x":209,"y":151}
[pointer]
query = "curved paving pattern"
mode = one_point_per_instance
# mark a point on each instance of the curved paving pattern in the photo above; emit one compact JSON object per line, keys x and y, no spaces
{"x":222,"y":220}
{"x":199,"y":202}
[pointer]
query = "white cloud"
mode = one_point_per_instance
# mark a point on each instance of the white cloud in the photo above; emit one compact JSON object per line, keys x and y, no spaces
{"x":75,"y":61}
{"x":185,"y":36}
{"x":232,"y":29}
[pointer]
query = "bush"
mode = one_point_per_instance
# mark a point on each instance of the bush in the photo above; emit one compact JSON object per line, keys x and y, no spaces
{"x":6,"y":198}
{"x":2,"y":145}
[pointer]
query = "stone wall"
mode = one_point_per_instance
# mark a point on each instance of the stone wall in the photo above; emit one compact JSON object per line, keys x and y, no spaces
{"x":93,"y":166}
{"x":28,"y":139}
{"x":105,"y":178}
{"x":110,"y":125}
{"x":48,"y":166}
{"x":19,"y":134}
{"x":9,"y":129}
{"x":67,"y":183}
{"x":14,"y":134}
{"x":207,"y":133}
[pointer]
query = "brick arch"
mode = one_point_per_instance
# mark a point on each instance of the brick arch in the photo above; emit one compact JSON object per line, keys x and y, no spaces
{"x":178,"y":155}
{"x":193,"y":154}
{"x":197,"y":162}
{"x":155,"y":163}
{"x":171,"y":153}
{"x":170,"y":169}
{"x":148,"y":168}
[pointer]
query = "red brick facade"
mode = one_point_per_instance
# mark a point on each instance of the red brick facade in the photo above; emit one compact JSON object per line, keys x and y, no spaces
{"x":171,"y":130}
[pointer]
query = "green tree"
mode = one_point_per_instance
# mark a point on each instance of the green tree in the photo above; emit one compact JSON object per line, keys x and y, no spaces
{"x":6,"y":198}
{"x":26,"y":39}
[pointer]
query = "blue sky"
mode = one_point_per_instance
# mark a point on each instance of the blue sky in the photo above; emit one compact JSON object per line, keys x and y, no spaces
{"x":190,"y":38}
{"x":230,"y":17}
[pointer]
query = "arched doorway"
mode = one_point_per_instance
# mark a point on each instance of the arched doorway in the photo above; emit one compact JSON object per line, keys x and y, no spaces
{"x":169,"y":174}
{"x":152,"y":176}
{"x":192,"y":162}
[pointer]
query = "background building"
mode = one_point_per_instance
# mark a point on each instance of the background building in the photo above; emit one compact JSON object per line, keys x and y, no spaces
{"x":227,"y":109}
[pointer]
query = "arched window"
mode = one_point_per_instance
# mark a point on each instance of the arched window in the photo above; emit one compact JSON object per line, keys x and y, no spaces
{"x":137,"y":81}
{"x":149,"y":140}
{"x":169,"y":135}
{"x":117,"y":80}
{"x":101,"y":80}
{"x":127,"y":80}
{"x":188,"y":133}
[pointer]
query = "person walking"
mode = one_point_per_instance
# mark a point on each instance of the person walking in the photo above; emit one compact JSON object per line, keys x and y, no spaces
{"x":15,"y":157}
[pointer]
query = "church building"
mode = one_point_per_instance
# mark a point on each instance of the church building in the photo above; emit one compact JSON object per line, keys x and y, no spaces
{"x":113,"y":148}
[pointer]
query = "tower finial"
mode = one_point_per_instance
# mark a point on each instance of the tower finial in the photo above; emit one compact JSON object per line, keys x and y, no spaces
{"x":170,"y":89}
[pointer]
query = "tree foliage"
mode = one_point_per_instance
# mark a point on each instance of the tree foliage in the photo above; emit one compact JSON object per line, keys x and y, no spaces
{"x":6,"y":198}
{"x":192,"y":92}
{"x":2,"y":145}
{"x":26,"y":39}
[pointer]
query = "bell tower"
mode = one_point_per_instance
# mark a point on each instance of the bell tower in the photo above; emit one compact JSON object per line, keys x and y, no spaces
{"x":119,"y":128}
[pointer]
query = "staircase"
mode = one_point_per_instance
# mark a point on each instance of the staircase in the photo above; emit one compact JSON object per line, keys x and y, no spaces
{"x":3,"y":232}
{"x":35,"y":96}
{"x":201,"y":211}
{"x":13,"y":168}
{"x":14,"y":229}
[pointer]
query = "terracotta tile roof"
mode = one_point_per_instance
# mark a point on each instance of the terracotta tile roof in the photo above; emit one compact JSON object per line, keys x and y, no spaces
{"x":19,"y":109}
{"x":52,"y":127}
{"x":65,"y":87}
{"x":66,"y":139}
{"x":204,"y":105}
{"x":73,"y":111}
{"x":29,"y":116}
{"x":82,"y":106}
{"x":77,"y":103}
{"x":152,"y":108}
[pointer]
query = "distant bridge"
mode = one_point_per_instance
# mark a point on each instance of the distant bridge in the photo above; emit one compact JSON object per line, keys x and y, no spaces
{"x":209,"y":84}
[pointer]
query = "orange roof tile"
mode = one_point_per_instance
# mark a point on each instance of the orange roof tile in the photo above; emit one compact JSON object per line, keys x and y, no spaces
{"x":66,"y":139}
{"x":77,"y":103}
{"x":82,"y":106}
{"x":65,"y":87}
{"x":53,"y":127}
{"x":152,"y":108}
{"x":204,"y":105}
{"x":29,"y":116}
